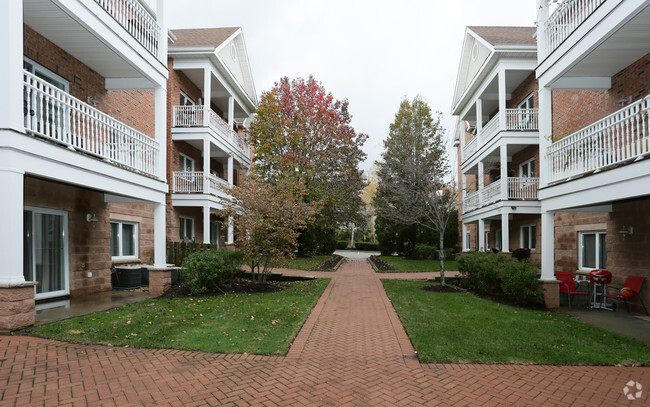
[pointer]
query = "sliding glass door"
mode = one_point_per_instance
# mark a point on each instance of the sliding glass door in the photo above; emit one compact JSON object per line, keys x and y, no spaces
{"x":45,"y":251}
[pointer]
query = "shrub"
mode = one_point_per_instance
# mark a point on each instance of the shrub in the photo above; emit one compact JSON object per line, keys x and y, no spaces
{"x":423,"y":251}
{"x":205,"y":271}
{"x":341,"y":245}
{"x":519,"y":283}
{"x":367,"y":246}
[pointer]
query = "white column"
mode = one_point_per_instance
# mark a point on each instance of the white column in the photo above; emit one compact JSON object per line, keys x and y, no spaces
{"x":206,"y":166}
{"x":464,"y":237}
{"x":231,"y":111}
{"x":206,"y":224}
{"x":207,"y":90}
{"x":542,"y":17}
{"x":548,"y":246}
{"x":162,"y":22}
{"x":505,"y":230}
{"x":11,"y":215}
{"x":463,"y":187}
{"x":503,"y":166}
{"x":230,"y":238}
{"x":160,"y":126}
{"x":230,"y":169}
{"x":481,"y":235}
{"x":479,"y":118}
{"x":159,"y":235}
{"x":11,"y":68}
{"x":545,"y":133}
{"x":481,"y":181}
{"x":502,"y":99}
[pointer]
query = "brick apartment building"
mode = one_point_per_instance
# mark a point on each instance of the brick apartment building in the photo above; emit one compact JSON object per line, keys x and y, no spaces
{"x":591,"y":87}
{"x":94,"y":169}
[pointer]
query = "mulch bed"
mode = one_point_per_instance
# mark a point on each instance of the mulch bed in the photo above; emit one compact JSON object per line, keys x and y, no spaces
{"x":380,"y":264}
{"x":442,"y":289}
{"x":330,"y":263}
{"x":239,"y":286}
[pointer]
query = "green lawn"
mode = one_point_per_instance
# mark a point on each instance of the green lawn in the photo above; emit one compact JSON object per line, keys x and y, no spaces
{"x":233,"y":323}
{"x":307,"y":263}
{"x":458,"y":328}
{"x":403,"y":265}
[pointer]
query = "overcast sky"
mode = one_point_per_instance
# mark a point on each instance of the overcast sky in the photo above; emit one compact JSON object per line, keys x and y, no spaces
{"x":371,"y":52}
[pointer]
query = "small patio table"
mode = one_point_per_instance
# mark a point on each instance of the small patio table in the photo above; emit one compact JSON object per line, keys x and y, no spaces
{"x":599,"y":280}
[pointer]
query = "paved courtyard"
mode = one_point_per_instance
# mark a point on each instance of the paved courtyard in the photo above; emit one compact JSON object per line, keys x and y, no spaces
{"x":352,"y":351}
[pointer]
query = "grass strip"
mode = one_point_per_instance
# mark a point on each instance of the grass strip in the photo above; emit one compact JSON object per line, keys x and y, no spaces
{"x":259,"y":323}
{"x":403,"y":265}
{"x":462,"y":328}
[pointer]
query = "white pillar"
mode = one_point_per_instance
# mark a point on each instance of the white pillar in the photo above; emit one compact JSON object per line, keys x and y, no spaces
{"x":502,"y":99}
{"x":206,"y":166}
{"x":548,"y":246}
{"x":463,"y":187}
{"x":464,"y":237}
{"x":542,"y":17}
{"x":11,"y":68}
{"x":231,"y":111}
{"x":230,"y":169}
{"x":545,"y":133}
{"x":162,"y":22}
{"x":505,"y":230}
{"x":230,"y":238}
{"x":479,"y":116}
{"x":159,"y":235}
{"x":11,"y":215}
{"x":206,"y":224}
{"x":207,"y":91}
{"x":503,"y":166}
{"x":481,"y":181}
{"x":160,"y":118}
{"x":481,"y":234}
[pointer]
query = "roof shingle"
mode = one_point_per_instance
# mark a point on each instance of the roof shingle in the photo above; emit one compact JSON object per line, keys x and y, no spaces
{"x":201,"y":37}
{"x":506,"y":35}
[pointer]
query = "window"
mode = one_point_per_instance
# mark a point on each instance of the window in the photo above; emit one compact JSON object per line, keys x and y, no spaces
{"x":185,"y":163}
{"x":499,"y":238}
{"x":527,"y":169}
{"x":525,"y":116}
{"x":45,"y":74}
{"x":487,"y":240}
{"x":124,"y":239}
{"x":186,"y":100}
{"x":593,"y":250}
{"x":186,"y":229}
{"x":529,"y":236}
{"x":467,"y":244}
{"x":214,"y":233}
{"x":528,"y":103}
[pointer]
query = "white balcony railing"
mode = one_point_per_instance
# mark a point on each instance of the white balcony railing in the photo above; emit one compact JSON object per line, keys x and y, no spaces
{"x":523,"y":188}
{"x":516,"y":120}
{"x":519,"y":188}
{"x":620,"y":137}
{"x":136,"y":20}
{"x":194,"y":116}
{"x":193,"y":182}
{"x":568,"y":15}
{"x":56,"y":115}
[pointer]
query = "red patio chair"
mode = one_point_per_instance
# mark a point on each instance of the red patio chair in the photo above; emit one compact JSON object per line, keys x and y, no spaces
{"x":631,"y":290}
{"x":568,"y":285}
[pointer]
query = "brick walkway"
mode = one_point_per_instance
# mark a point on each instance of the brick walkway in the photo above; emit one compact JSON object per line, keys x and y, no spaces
{"x":352,"y":351}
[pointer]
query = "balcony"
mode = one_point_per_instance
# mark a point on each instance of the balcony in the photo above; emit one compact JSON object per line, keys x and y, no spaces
{"x":58,"y":117}
{"x":515,"y":120}
{"x":619,"y":138}
{"x":197,"y":182}
{"x":568,"y":15}
{"x":197,"y":116}
{"x":135,"y":19}
{"x":518,"y":188}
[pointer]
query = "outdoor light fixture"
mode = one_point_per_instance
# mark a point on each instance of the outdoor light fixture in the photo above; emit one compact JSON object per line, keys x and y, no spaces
{"x":624,"y":100}
{"x":91,"y":218}
{"x":626,"y":231}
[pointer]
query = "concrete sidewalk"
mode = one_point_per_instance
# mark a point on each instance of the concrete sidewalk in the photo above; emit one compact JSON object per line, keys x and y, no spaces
{"x":352,"y":351}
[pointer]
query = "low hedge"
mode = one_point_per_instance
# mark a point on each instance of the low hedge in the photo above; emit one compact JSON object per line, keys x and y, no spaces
{"x":496,"y":275}
{"x":204,"y":271}
{"x":367,"y":246}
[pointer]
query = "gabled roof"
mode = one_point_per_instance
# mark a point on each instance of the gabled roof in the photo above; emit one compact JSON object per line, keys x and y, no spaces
{"x":201,"y":37}
{"x":506,"y":36}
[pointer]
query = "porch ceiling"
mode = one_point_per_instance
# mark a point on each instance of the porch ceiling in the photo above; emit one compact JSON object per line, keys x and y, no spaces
{"x":218,"y":94}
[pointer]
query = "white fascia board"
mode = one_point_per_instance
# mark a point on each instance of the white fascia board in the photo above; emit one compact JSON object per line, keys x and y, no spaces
{"x":460,"y":65}
{"x":574,"y":83}
{"x":625,"y":182}
{"x":495,"y":210}
{"x":227,"y":41}
{"x":480,"y":39}
{"x":97,"y":21}
{"x":504,"y":138}
{"x":111,"y":198}
{"x":128,"y":83}
{"x":56,"y":163}
{"x":198,"y":200}
{"x":250,"y":106}
{"x":463,"y":102}
{"x":250,"y":71}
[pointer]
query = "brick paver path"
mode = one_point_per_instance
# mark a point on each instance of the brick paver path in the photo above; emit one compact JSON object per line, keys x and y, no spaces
{"x":352,"y":351}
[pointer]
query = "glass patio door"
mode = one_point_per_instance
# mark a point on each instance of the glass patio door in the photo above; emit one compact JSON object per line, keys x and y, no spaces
{"x":45,"y":251}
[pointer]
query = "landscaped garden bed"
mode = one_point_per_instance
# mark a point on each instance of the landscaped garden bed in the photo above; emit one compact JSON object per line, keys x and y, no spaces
{"x":393,"y":264}
{"x":316,"y":263}
{"x":463,"y":328}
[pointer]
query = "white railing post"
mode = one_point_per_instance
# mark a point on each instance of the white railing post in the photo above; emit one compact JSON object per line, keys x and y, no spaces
{"x":135,"y":19}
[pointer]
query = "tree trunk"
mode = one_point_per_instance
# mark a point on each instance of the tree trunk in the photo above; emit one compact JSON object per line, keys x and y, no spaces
{"x":442,"y":258}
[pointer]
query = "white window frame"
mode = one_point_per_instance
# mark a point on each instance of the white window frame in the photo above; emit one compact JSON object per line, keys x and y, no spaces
{"x":528,"y":102}
{"x":120,"y":249}
{"x":599,"y":261}
{"x":182,"y":220}
{"x":499,"y":237}
{"x":38,"y":69}
{"x":217,"y":230}
{"x":183,"y":99}
{"x":530,"y":235}
{"x":468,"y":245}
{"x":529,"y":165}
{"x":487,"y":240}
{"x":182,"y":158}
